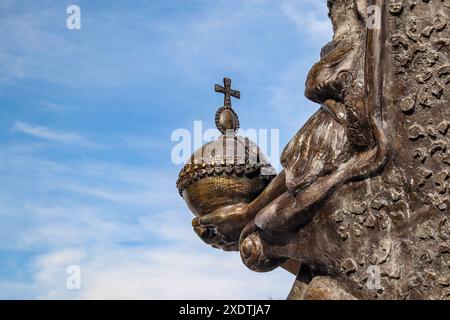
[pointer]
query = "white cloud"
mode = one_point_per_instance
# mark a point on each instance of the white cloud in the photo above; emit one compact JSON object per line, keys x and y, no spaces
{"x":313,"y":21}
{"x":169,"y":272}
{"x":121,"y":196}
{"x":142,"y":248}
{"x":126,"y":226}
{"x":177,"y":265}
{"x":287,"y":97}
{"x":169,"y":225}
{"x":53,"y":107}
{"x":48,"y":134}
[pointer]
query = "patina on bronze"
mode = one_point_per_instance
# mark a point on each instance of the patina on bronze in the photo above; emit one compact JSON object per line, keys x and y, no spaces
{"x":361,"y":207}
{"x":227,"y":172}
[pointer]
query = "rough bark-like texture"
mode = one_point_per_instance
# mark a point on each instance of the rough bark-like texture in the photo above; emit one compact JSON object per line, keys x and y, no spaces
{"x":398,"y":220}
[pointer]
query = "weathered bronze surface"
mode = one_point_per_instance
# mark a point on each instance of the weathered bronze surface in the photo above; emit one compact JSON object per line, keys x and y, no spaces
{"x":223,"y":172}
{"x":229,"y":172}
{"x":365,"y":186}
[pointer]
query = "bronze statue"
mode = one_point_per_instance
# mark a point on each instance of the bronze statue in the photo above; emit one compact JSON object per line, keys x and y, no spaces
{"x":360,"y":209}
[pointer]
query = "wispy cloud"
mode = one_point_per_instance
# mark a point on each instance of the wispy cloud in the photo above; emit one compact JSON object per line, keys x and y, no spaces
{"x":54,"y":107}
{"x":125,"y":226}
{"x":115,"y":210}
{"x":313,"y":21}
{"x":159,"y":273}
{"x":287,"y":96}
{"x":48,"y":134}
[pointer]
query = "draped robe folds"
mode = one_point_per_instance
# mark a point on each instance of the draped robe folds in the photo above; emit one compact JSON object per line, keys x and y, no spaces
{"x":315,"y":150}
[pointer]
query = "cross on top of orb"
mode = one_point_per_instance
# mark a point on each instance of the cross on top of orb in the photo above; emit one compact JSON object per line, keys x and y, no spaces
{"x":227,"y":91}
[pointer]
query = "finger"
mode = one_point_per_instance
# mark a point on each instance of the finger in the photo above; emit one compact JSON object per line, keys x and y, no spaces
{"x":208,"y":235}
{"x":231,"y":247}
{"x":196,"y":222}
{"x":202,"y":232}
{"x":212,"y":218}
{"x":223,"y":214}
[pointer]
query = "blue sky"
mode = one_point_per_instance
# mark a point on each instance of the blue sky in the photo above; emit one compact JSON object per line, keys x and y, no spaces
{"x":86,"y":118}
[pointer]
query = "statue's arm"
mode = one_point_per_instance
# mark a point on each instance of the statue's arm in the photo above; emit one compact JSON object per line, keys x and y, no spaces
{"x":270,"y":193}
